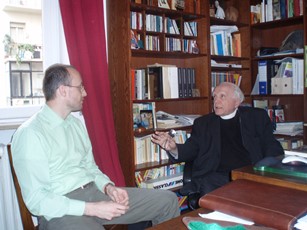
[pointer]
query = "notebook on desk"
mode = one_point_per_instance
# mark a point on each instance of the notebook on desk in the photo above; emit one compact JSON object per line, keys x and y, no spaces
{"x":265,"y":204}
{"x":275,"y":165}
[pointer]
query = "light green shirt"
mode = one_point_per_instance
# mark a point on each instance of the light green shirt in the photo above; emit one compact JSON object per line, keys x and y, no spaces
{"x":53,"y":157}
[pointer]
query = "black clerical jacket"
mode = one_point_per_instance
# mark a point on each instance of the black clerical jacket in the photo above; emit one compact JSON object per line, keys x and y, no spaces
{"x":204,"y":145}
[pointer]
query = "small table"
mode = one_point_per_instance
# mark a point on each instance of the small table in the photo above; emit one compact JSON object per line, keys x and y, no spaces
{"x":288,"y":181}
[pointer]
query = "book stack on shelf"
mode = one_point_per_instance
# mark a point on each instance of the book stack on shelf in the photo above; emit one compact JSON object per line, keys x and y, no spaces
{"x":136,"y":20}
{"x":166,"y":177}
{"x":219,"y":77}
{"x":163,"y":82}
{"x":222,"y":40}
{"x":289,"y":128}
{"x":288,"y":79}
{"x":171,"y":26}
{"x":271,"y":10}
{"x":167,"y":121}
{"x":145,"y":151}
{"x":291,"y":143}
{"x":280,"y":76}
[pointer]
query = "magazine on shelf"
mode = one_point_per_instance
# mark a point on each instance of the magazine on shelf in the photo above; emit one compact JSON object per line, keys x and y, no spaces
{"x":180,"y":119}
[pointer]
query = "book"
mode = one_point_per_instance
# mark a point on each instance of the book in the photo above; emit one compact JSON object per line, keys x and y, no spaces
{"x":276,"y":10}
{"x":155,"y":82}
{"x":170,"y":82}
{"x":162,"y":81}
{"x":262,"y":72}
{"x":283,"y":9}
{"x":265,"y":204}
{"x":166,"y":182}
{"x":145,"y":151}
{"x":272,"y":69}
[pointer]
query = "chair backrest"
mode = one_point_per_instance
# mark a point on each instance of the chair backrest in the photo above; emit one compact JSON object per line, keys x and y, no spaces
{"x":26,"y":217}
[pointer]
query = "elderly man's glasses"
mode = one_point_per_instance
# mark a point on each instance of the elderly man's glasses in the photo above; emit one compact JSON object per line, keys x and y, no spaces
{"x":80,"y":87}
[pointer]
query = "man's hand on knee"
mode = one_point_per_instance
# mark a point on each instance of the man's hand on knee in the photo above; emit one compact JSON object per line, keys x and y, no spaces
{"x":105,"y":209}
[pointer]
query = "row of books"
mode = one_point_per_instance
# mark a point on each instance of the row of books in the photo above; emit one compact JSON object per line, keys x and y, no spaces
{"x":157,"y":177}
{"x":162,"y":82}
{"x":219,"y":77}
{"x":155,"y":173}
{"x":270,"y":10}
{"x":225,"y":41}
{"x":154,"y":23}
{"x":145,"y":151}
{"x":190,"y":28}
{"x":152,"y":43}
{"x":168,"y":182}
{"x":281,"y":76}
{"x":171,"y":26}
{"x":173,"y":44}
{"x":290,"y":144}
{"x":136,"y":22}
{"x":165,"y":177}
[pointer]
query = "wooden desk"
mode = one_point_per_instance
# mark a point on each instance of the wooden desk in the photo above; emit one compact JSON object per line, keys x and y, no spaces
{"x":249,"y":173}
{"x":176,"y":223}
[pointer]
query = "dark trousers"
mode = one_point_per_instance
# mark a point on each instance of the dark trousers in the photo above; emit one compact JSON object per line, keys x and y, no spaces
{"x":144,"y":205}
{"x":211,"y":182}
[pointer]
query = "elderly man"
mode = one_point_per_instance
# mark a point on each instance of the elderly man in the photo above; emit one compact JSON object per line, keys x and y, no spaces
{"x":232,"y":136}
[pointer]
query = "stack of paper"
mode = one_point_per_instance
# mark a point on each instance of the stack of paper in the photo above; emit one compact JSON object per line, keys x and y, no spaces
{"x":301,"y":223}
{"x":225,"y":217}
{"x":289,"y":128}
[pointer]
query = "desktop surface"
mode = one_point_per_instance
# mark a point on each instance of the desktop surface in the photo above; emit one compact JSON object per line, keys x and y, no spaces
{"x":289,"y":181}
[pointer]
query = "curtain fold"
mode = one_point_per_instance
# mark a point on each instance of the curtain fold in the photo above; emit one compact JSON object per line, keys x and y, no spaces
{"x":83,"y":23}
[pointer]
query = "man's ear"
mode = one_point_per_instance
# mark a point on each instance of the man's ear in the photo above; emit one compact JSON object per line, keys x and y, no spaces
{"x":238,"y":103}
{"x":62,"y":91}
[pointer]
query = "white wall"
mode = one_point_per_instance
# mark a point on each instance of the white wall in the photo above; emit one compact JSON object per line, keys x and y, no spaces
{"x":6,"y":135}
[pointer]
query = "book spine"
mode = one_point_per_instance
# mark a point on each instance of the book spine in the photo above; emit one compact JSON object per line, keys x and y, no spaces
{"x":262,"y":71}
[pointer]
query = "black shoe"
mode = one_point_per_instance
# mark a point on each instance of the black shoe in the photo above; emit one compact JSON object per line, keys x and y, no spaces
{"x":193,"y":199}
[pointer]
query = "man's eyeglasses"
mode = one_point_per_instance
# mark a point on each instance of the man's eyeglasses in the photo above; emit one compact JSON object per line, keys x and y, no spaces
{"x":80,"y":87}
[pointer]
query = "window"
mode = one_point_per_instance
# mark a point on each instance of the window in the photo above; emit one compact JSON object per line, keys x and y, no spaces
{"x":17,"y":32}
{"x":26,"y":83}
{"x":21,"y":66}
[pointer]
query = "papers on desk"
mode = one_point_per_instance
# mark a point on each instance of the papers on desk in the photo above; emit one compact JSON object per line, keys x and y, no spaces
{"x":225,"y":217}
{"x":301,"y":223}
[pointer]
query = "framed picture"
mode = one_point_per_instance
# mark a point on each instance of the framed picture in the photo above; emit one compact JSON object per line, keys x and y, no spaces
{"x":163,"y":4}
{"x":147,"y":119}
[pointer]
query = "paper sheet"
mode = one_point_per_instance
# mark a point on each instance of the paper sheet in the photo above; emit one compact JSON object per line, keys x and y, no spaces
{"x":225,"y":217}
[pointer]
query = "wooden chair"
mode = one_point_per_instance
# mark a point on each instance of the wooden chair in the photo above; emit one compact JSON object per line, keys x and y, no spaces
{"x":26,"y":217}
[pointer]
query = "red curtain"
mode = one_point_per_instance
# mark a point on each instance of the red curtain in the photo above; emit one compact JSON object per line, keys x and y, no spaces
{"x":83,"y":22}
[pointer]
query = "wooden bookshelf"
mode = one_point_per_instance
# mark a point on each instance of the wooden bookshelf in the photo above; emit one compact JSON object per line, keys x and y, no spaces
{"x":122,"y":59}
{"x":253,"y":36}
{"x":272,"y":34}
{"x":243,"y":25}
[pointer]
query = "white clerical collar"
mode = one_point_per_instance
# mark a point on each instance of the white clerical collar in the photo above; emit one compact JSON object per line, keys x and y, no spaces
{"x":229,"y":116}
